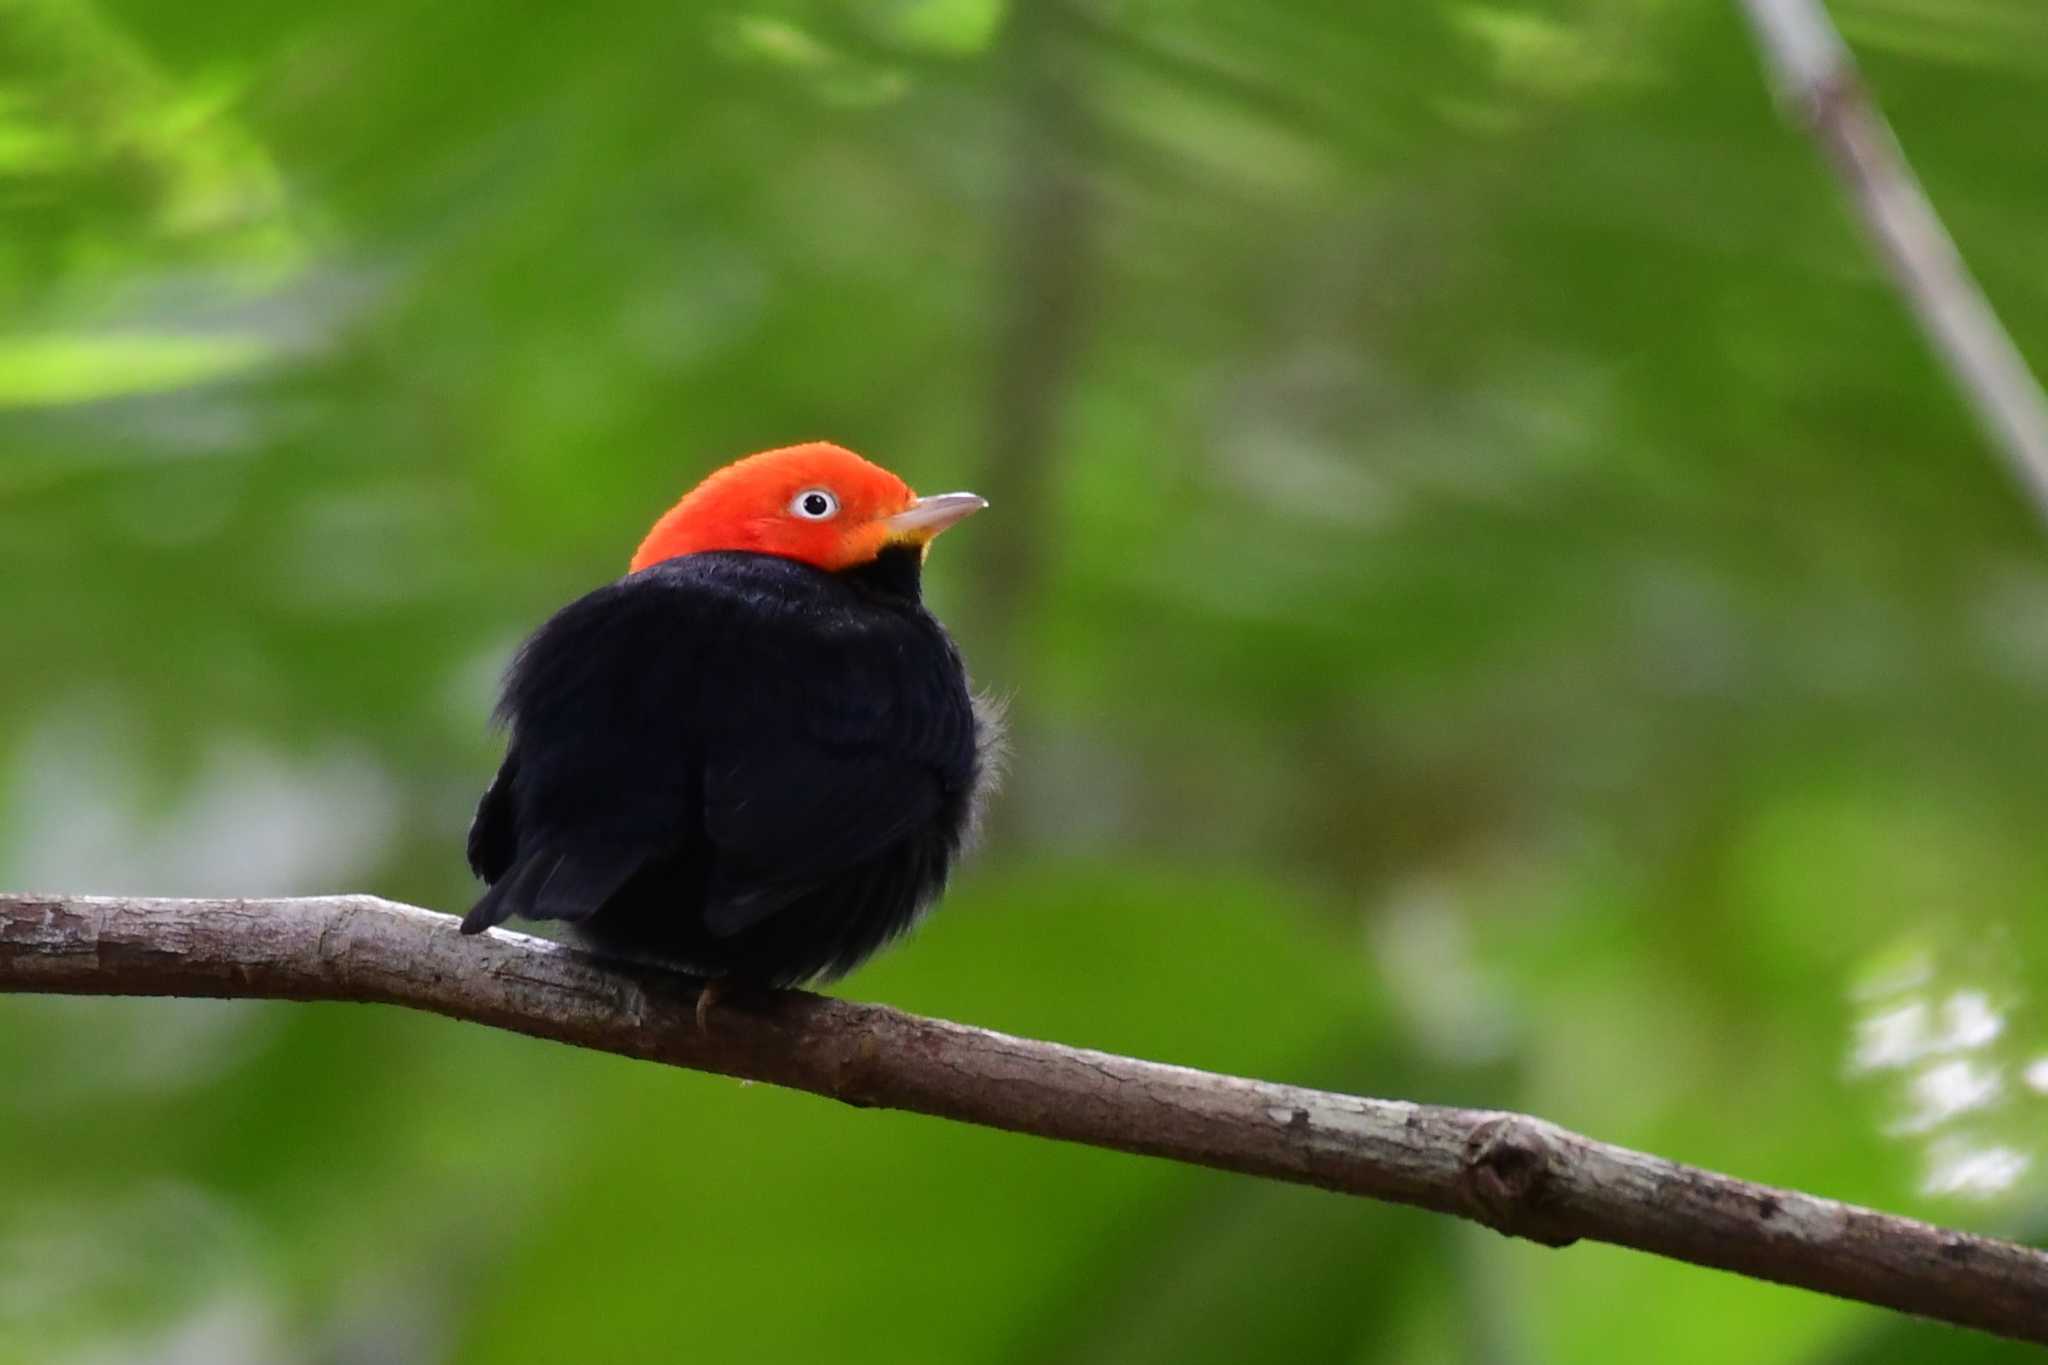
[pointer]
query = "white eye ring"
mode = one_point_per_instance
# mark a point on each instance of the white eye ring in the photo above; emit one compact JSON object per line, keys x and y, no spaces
{"x":814,"y":504}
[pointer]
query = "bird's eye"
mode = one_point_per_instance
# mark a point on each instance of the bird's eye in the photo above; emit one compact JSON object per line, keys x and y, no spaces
{"x":814,"y":504}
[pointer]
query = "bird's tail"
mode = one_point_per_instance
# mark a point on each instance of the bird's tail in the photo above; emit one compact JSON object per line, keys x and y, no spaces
{"x":548,"y":885}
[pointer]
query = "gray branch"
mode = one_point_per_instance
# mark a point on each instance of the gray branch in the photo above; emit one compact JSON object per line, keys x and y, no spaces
{"x":1519,"y":1175}
{"x":1818,"y":87}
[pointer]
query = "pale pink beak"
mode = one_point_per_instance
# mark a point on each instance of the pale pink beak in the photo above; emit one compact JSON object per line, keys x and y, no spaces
{"x":927,"y":517}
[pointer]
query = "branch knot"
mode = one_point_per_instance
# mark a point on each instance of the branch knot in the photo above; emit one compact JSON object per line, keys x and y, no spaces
{"x":856,"y":1074}
{"x":1505,"y":1179}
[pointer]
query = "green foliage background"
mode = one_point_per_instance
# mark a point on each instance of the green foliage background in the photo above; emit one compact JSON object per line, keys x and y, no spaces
{"x":1499,"y":607}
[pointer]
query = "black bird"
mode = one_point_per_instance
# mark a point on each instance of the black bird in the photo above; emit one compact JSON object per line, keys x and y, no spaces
{"x":755,"y":757}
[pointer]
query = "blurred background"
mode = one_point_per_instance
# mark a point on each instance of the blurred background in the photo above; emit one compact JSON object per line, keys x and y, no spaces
{"x":1498,"y":604}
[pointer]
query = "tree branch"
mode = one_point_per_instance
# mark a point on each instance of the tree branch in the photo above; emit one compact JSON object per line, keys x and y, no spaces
{"x":1519,"y":1175}
{"x":1818,"y":87}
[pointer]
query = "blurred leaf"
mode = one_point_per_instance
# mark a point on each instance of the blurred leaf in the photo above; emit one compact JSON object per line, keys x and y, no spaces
{"x":943,"y":28}
{"x":38,"y":371}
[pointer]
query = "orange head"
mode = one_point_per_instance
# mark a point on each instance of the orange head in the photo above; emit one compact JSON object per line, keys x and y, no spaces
{"x":816,"y":502}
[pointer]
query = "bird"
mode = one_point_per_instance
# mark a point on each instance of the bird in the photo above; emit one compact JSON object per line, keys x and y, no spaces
{"x":756,"y":757}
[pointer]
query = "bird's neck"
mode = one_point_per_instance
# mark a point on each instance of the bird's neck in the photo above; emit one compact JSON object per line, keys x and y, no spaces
{"x":898,"y":571}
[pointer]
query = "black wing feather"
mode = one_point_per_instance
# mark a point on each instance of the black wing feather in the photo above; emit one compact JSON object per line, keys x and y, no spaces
{"x":494,"y":833}
{"x":794,"y":819}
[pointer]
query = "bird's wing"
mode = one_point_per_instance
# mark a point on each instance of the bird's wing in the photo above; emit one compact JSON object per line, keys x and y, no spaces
{"x":494,"y":832}
{"x":785,"y":822}
{"x":602,"y":778}
{"x":849,"y":748}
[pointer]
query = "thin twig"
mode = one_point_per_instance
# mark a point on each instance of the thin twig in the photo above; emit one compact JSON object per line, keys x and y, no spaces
{"x":1519,"y":1175}
{"x":1819,"y":88}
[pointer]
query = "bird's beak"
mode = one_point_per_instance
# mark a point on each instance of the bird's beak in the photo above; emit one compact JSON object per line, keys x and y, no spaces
{"x":926,"y":517}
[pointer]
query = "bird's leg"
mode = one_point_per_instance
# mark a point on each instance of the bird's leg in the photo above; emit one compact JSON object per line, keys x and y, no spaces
{"x":708,"y":995}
